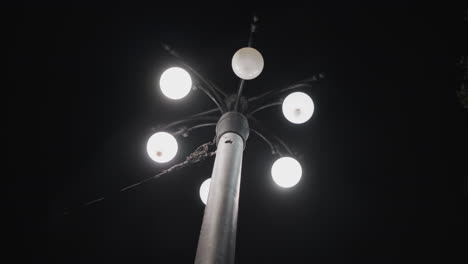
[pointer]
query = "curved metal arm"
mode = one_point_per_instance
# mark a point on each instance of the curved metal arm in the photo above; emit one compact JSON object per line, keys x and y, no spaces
{"x":265,"y":134}
{"x":272,"y":147}
{"x":251,"y":112}
{"x":186,"y":130}
{"x":279,"y":91}
{"x":223,"y":93}
{"x":207,"y":82}
{"x":214,"y":110}
{"x":213,"y":92}
{"x":200,"y":126}
{"x":304,"y":83}
{"x":284,"y":145}
{"x":219,"y":103}
{"x":188,"y":120}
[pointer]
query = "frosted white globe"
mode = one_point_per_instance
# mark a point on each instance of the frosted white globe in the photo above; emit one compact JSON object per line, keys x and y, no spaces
{"x":204,"y":190}
{"x":175,"y":83}
{"x":162,"y":147}
{"x":247,"y":63}
{"x":298,"y":107}
{"x":286,"y":172}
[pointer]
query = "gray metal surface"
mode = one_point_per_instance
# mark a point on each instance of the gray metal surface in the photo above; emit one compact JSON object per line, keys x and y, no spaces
{"x":232,"y":122}
{"x":217,"y":239}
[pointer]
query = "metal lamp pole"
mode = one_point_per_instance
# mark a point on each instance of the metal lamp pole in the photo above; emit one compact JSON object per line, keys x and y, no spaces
{"x":218,"y":232}
{"x":217,"y":241}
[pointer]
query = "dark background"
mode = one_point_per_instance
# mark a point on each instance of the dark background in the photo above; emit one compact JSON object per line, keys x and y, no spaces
{"x":382,"y":156}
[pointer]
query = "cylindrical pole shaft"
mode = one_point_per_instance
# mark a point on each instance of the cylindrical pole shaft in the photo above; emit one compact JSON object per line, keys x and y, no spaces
{"x":217,"y":241}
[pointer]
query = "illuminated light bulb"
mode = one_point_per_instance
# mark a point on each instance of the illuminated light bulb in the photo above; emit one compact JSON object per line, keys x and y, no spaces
{"x":298,"y":107}
{"x":162,"y":147}
{"x":247,"y":63}
{"x":175,"y":83}
{"x":204,"y":190}
{"x":286,"y":172}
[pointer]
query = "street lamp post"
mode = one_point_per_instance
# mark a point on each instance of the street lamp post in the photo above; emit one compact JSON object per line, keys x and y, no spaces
{"x":217,"y":238}
{"x":218,"y":232}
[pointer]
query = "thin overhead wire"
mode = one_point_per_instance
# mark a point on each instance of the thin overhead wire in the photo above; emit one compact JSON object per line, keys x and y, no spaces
{"x":200,"y":153}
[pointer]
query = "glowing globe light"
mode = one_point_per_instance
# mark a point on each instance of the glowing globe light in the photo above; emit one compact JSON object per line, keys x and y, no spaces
{"x":175,"y":83}
{"x":204,"y":190}
{"x":286,"y":172}
{"x":298,"y":107}
{"x":247,"y":63}
{"x":162,"y":147}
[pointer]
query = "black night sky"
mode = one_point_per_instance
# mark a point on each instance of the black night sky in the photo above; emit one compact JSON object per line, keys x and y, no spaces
{"x":381,"y":156}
